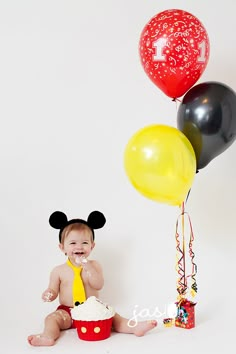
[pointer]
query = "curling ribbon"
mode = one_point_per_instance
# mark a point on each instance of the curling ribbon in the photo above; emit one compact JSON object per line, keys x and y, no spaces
{"x":182,"y":286}
{"x":180,"y":266}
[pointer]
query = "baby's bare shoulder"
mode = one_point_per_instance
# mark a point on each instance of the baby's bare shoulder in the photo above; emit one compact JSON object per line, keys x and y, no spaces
{"x":57,"y":270}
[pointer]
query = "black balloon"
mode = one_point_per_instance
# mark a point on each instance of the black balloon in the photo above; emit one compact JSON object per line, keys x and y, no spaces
{"x":207,"y":116}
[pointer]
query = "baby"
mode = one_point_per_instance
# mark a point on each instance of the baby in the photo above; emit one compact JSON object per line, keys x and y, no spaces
{"x":77,"y":279}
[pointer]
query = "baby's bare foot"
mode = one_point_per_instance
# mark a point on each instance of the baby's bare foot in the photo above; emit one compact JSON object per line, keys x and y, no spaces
{"x":142,"y":327}
{"x":38,"y":340}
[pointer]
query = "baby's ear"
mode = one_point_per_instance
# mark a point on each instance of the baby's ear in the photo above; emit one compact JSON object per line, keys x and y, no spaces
{"x":96,"y":220}
{"x":58,"y":220}
{"x":61,"y":246}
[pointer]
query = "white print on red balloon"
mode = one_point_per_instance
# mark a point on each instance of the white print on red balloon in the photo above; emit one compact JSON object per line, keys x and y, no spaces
{"x":174,"y":50}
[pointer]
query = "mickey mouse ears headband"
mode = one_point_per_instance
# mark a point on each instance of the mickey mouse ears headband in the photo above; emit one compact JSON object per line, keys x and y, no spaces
{"x":58,"y":220}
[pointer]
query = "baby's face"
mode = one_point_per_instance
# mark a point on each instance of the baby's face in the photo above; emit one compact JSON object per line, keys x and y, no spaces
{"x":78,"y":244}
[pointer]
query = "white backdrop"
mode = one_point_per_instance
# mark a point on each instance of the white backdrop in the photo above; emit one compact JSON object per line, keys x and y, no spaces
{"x":73,"y":92}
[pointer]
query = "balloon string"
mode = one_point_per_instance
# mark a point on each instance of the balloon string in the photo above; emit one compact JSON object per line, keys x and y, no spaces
{"x":174,"y":99}
{"x":183,"y":241}
{"x":187,"y":196}
{"x":180,"y":265}
{"x":181,"y":287}
{"x":192,"y":256}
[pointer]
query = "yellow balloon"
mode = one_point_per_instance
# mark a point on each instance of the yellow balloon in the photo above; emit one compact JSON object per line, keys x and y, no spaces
{"x":160,"y":163}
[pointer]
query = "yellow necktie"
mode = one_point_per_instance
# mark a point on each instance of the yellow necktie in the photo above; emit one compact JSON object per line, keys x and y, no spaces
{"x":78,"y":291}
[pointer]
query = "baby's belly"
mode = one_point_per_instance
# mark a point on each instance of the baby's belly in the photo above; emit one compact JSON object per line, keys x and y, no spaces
{"x":66,"y":296}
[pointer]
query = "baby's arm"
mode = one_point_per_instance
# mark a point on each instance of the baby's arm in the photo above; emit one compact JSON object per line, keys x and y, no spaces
{"x":94,"y":274}
{"x":52,"y":291}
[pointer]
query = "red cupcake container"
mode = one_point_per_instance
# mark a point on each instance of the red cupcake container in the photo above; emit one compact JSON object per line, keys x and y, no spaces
{"x":93,"y":330}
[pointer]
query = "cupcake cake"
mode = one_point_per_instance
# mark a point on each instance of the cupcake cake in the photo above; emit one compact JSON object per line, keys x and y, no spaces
{"x":93,"y":319}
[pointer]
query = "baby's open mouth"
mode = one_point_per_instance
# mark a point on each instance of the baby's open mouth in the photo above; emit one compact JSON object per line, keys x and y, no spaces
{"x":79,"y":253}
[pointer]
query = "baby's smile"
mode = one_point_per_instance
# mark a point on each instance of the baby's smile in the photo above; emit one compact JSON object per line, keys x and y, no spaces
{"x":79,"y":253}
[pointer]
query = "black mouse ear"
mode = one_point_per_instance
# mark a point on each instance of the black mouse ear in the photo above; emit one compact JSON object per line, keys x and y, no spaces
{"x":58,"y":220}
{"x":96,"y":220}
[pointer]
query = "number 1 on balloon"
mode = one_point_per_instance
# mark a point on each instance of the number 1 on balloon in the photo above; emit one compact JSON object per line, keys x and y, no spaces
{"x":160,"y":44}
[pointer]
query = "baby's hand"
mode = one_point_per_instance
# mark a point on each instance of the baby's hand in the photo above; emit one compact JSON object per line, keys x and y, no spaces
{"x":48,"y":295}
{"x":82,"y":261}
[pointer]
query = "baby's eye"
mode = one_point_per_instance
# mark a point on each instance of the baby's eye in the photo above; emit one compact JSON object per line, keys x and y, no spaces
{"x":72,"y":243}
{"x":85,"y":243}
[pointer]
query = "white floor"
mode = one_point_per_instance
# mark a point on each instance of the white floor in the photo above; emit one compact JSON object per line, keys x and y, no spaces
{"x":214,"y":331}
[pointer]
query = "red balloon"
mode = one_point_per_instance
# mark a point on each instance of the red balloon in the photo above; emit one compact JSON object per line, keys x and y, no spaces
{"x":174,"y":50}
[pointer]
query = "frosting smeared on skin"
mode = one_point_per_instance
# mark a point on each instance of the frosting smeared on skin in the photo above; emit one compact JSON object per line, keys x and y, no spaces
{"x":80,"y":260}
{"x":48,"y":296}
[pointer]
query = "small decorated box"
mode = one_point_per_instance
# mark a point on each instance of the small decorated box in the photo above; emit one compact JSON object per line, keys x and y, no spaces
{"x":185,"y":316}
{"x":168,"y":322}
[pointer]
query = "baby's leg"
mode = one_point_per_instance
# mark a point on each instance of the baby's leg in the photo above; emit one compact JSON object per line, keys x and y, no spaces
{"x":122,"y":325}
{"x":54,"y":323}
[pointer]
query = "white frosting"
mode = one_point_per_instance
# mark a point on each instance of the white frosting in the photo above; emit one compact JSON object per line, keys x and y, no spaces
{"x":92,"y":310}
{"x":80,"y":260}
